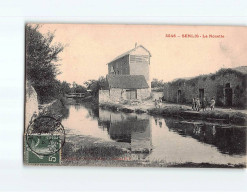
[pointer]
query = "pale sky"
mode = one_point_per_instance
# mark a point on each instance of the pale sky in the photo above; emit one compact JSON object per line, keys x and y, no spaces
{"x":91,"y":47}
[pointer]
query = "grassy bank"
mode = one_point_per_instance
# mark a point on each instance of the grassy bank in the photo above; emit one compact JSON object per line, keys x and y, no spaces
{"x":55,"y":109}
{"x":178,"y":111}
{"x":115,"y":107}
{"x":89,"y":151}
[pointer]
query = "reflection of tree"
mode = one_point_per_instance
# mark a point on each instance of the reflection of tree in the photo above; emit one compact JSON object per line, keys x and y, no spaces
{"x":228,"y":140}
{"x":92,"y":108}
{"x":104,"y":124}
{"x":65,"y":112}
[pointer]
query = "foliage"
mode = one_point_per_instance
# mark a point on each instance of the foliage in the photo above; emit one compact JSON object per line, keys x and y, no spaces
{"x":65,"y":88}
{"x":41,"y":62}
{"x":157,"y":83}
{"x":225,"y":71}
{"x":95,"y":85}
{"x":77,"y":88}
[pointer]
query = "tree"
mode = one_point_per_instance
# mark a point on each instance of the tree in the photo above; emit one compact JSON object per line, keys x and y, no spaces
{"x":96,"y":85}
{"x":78,"y":88}
{"x":65,"y":88}
{"x":157,"y":83}
{"x":41,"y":62}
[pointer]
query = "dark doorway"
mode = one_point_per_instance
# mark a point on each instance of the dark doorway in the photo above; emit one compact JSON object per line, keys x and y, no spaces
{"x":201,"y":94}
{"x":131,"y":94}
{"x":228,"y":96}
{"x":179,"y":96}
{"x":228,"y":85}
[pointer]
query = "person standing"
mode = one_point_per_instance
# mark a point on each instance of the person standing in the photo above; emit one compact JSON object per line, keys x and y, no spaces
{"x":155,"y":103}
{"x":212,"y":104}
{"x":204,"y":104}
{"x":193,"y":104}
{"x":198,"y":104}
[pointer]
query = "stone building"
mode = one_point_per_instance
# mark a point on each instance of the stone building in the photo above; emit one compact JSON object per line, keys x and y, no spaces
{"x":227,"y":86}
{"x":128,"y":76}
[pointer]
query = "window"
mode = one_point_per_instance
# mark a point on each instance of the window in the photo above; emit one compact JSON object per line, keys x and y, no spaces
{"x":111,"y":71}
{"x":179,"y":96}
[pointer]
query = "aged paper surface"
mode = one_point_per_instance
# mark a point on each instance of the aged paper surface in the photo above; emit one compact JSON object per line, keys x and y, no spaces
{"x":135,"y":95}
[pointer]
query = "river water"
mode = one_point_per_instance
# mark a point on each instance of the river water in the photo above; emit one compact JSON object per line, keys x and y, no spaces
{"x":161,"y":139}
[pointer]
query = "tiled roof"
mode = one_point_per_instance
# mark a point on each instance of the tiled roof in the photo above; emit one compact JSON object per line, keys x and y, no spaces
{"x":127,"y":53}
{"x":127,"y":81}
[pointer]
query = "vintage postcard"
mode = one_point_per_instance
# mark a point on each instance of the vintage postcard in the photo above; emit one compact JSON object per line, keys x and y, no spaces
{"x":135,"y":95}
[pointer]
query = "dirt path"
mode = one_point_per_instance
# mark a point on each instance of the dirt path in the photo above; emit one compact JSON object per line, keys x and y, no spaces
{"x":150,"y":104}
{"x":227,"y":110}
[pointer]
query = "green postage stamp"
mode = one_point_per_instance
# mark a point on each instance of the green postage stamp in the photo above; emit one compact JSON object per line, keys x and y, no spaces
{"x":43,"y":141}
{"x":42,"y":149}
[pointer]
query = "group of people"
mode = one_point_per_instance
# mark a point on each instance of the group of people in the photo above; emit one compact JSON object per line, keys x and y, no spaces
{"x":158,"y":102}
{"x":197,"y":105}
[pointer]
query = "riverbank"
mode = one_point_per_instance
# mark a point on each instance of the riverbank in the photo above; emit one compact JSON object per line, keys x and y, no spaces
{"x":233,"y":117}
{"x":55,"y":109}
{"x":89,"y":151}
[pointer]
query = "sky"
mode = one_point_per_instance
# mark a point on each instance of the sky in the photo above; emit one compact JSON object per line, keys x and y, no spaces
{"x":89,"y":47}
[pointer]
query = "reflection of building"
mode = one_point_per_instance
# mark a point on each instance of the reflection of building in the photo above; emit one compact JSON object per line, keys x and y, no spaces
{"x":227,"y":86}
{"x":129,"y":128}
{"x":128,"y":76}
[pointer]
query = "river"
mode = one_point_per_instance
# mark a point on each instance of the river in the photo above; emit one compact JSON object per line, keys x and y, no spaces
{"x":158,"y":139}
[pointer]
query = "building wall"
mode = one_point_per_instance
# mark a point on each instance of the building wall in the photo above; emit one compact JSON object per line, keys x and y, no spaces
{"x":112,"y":95}
{"x":104,"y":96}
{"x":139,"y":61}
{"x":213,"y":85}
{"x":115,"y":95}
{"x":156,"y":95}
{"x":120,"y":66}
{"x":143,"y":94}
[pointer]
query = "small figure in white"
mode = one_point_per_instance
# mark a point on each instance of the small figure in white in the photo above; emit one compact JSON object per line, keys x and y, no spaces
{"x":212,"y":104}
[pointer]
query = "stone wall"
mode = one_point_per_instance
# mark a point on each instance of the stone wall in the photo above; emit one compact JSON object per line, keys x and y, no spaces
{"x":213,"y":86}
{"x":156,"y":95}
{"x":104,"y":96}
{"x":31,"y":104}
{"x":143,"y":94}
{"x":117,"y":95}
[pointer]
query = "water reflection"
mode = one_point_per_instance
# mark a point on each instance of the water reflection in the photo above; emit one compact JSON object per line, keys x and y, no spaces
{"x":227,"y":139}
{"x":160,"y":139}
{"x":130,"y":128}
